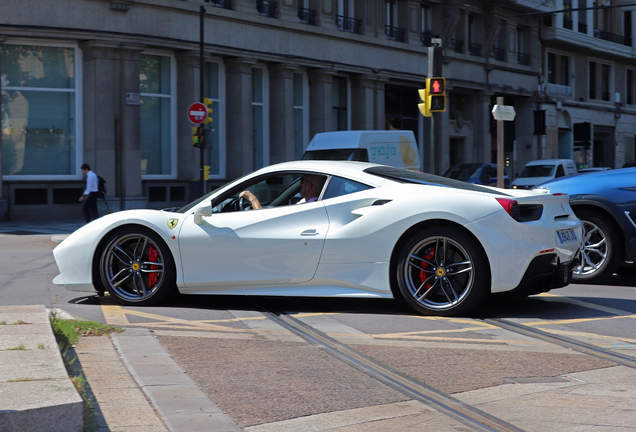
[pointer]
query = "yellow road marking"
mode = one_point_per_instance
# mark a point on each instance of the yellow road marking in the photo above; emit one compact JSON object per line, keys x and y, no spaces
{"x":114,"y":315}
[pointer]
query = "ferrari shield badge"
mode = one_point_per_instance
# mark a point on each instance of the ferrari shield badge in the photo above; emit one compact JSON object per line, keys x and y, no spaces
{"x":172,"y":223}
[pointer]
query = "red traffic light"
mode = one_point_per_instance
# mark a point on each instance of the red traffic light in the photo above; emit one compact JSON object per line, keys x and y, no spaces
{"x":436,"y":86}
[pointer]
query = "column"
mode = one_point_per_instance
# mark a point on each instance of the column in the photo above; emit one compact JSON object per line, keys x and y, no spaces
{"x":363,"y":99}
{"x":240,"y":121}
{"x":112,"y":129}
{"x":320,"y":101}
{"x":281,"y":117}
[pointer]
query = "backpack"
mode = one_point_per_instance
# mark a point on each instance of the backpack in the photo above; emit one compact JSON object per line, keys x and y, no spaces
{"x":101,"y":187}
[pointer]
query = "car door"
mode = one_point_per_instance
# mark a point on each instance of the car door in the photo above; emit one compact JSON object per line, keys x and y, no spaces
{"x":270,"y":246}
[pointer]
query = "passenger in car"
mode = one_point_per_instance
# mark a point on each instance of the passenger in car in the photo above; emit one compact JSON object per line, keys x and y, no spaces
{"x":310,"y":187}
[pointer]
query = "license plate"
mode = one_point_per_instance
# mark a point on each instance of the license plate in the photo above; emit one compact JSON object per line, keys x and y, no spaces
{"x":567,"y":236}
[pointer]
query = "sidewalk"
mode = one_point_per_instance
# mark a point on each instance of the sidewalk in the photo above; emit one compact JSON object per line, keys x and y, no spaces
{"x":132,"y":383}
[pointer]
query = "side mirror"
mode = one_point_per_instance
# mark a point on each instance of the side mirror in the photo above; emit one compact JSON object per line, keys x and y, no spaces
{"x":200,"y":213}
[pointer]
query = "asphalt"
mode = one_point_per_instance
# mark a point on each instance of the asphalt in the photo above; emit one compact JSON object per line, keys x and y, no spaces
{"x":134,"y":384}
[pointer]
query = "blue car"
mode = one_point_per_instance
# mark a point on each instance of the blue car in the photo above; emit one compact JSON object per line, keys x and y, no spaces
{"x":476,"y":173}
{"x":606,"y":203}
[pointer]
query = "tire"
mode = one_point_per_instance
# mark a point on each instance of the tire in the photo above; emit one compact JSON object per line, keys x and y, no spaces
{"x":627,"y":269}
{"x":443,"y":272}
{"x":136,"y":267}
{"x":599,"y":255}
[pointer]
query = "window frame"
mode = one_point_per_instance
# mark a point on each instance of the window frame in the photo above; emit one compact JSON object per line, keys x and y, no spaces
{"x":305,"y":112}
{"x":79,"y":109}
{"x":265,"y":105}
{"x":173,"y":116}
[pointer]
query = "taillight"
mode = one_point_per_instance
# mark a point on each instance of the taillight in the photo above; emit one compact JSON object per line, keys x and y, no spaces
{"x":510,"y":206}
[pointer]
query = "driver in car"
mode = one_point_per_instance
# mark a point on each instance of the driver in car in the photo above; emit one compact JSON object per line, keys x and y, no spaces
{"x":310,"y":187}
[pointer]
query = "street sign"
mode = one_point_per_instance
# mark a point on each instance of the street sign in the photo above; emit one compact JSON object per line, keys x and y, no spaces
{"x":504,"y":112}
{"x":197,"y":113}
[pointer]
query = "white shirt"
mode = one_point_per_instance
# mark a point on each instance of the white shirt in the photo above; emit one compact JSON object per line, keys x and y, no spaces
{"x":91,"y":183}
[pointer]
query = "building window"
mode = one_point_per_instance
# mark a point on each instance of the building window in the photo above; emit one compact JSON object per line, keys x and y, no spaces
{"x":425,"y":24}
{"x":567,"y":15}
{"x":631,"y":87}
{"x":339,"y":98}
{"x":565,"y":70}
{"x":260,"y":117}
{"x":214,"y":89}
{"x":301,"y":114}
{"x":605,"y":82}
{"x":592,"y":83}
{"x":40,"y":108}
{"x":345,"y":19}
{"x":158,"y":154}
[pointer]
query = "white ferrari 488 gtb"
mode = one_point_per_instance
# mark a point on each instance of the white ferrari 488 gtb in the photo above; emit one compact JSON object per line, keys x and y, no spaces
{"x":374,"y":232}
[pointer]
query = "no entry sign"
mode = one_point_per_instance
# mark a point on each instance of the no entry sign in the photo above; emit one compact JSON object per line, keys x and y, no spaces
{"x":197,"y":113}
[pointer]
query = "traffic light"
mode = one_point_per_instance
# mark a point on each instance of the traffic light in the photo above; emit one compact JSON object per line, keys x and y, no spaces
{"x":198,"y":136}
{"x":207,"y":102}
{"x":436,"y":93}
{"x":206,"y":172}
{"x":424,"y":105}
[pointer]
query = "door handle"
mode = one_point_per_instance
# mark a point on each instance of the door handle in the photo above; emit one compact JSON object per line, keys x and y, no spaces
{"x":309,"y":232}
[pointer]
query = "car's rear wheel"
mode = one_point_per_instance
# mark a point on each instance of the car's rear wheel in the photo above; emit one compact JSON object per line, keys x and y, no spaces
{"x":443,"y":271}
{"x":136,"y":267}
{"x":598,"y":256}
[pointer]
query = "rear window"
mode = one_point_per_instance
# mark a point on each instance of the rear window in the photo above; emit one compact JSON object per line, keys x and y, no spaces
{"x":354,"y":154}
{"x":405,"y":176}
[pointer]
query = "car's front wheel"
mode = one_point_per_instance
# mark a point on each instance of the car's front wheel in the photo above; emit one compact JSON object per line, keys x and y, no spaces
{"x":598,"y":256}
{"x":443,"y":271}
{"x":136,"y":267}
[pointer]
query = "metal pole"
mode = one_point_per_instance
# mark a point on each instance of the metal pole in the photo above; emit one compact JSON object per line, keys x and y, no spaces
{"x":201,"y":86}
{"x":500,"y":148}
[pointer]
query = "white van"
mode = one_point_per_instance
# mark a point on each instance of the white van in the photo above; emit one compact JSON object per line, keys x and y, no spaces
{"x":538,"y":171}
{"x":394,"y":148}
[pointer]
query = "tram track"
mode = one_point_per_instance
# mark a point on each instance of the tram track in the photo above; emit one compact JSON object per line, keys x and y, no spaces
{"x":444,"y":403}
{"x":440,"y":401}
{"x":563,"y":341}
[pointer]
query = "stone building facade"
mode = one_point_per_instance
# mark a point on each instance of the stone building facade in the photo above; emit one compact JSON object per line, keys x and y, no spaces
{"x":109,"y":83}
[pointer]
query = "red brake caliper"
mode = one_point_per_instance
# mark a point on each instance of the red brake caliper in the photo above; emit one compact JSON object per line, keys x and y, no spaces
{"x":153,"y":278}
{"x":425,"y":274}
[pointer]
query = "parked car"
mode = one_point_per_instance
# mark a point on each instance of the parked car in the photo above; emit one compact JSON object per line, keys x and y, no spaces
{"x":539,"y":171}
{"x":606,"y":203}
{"x":376,"y":232}
{"x":476,"y":173}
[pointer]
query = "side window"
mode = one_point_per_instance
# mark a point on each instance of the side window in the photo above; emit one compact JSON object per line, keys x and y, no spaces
{"x":559,"y":172}
{"x":338,"y":186}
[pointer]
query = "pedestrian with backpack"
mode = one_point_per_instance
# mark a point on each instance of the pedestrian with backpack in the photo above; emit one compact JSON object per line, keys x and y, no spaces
{"x":90,"y":194}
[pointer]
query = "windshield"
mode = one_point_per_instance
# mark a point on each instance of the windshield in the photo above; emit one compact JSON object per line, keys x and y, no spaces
{"x":405,"y":176}
{"x":462,"y":172}
{"x":536,"y":171}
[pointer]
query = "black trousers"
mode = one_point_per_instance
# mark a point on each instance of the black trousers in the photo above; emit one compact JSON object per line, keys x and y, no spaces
{"x":90,"y":207}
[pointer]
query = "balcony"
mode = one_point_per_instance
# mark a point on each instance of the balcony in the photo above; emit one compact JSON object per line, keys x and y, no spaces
{"x":458,"y":45}
{"x":225,"y":4}
{"x":266,"y":8}
{"x":523,"y":59}
{"x":474,"y":49}
{"x":426,"y":37}
{"x":499,"y":54}
{"x":394,"y":33}
{"x":307,"y":16}
{"x":582,"y":28}
{"x":350,"y":25}
{"x":557,"y":89}
{"x":611,"y":37}
{"x":568,"y":23}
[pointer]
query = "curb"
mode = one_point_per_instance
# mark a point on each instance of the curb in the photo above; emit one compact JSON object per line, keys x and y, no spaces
{"x":35,"y":388}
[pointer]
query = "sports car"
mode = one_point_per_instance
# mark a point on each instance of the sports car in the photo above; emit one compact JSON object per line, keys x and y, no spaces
{"x":375,"y":231}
